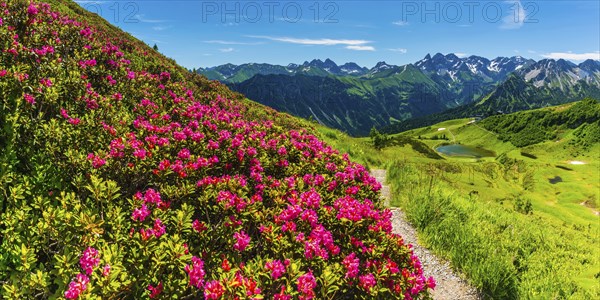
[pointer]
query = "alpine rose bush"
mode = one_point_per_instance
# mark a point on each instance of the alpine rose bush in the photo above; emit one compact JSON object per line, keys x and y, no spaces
{"x":122,"y":175}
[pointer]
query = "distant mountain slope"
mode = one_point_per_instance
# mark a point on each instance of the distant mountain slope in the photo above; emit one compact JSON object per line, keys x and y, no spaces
{"x":389,"y":95}
{"x":230,"y":73}
{"x":352,"y":104}
{"x":542,"y":84}
{"x":455,"y":69}
{"x":561,"y":74}
{"x":470,"y":78}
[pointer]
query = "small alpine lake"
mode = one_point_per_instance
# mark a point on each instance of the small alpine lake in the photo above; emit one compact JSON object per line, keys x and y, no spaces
{"x":457,"y":150}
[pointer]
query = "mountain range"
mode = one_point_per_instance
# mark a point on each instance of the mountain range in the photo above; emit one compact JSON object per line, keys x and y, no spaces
{"x":355,"y":99}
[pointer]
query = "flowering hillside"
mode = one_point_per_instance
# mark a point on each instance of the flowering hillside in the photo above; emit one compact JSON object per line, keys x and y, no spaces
{"x":123,"y":176}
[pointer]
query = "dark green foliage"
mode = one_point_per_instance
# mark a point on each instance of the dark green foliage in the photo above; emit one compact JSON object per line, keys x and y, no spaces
{"x":523,"y":206}
{"x":377,"y":139}
{"x":523,"y":153}
{"x":588,"y":134}
{"x":532,"y":127}
{"x":416,"y":145}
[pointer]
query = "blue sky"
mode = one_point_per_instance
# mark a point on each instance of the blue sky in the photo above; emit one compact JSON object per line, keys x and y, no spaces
{"x":208,"y":33}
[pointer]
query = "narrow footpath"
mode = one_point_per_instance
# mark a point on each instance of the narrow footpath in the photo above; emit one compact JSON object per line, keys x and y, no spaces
{"x":450,"y":285}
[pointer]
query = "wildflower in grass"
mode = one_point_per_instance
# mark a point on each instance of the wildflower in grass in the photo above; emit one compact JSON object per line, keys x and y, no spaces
{"x":352,"y":190}
{"x":110,"y":80}
{"x":289,"y":226}
{"x":106,"y":270}
{"x":306,"y":284}
{"x":213,"y":290}
{"x":311,"y":217}
{"x":199,"y":226}
{"x":152,"y":196}
{"x":282,"y":151}
{"x":140,"y":153}
{"x":87,"y":32}
{"x":159,"y":228}
{"x":311,"y":199}
{"x":140,"y":214}
{"x":225,"y":265}
{"x":212,"y":145}
{"x":97,"y":161}
{"x":196,"y":272}
{"x":77,"y":286}
{"x":431,"y":283}
{"x":242,"y":241}
{"x":393,"y":267}
{"x":29,"y":98}
{"x":3,"y":73}
{"x":276,"y":267}
{"x":46,"y":82}
{"x":282,"y":295}
{"x":89,"y":260}
{"x":250,"y":285}
{"x":74,"y":121}
{"x":146,"y":233}
{"x":351,"y":263}
{"x":155,"y":291}
{"x":184,"y":153}
{"x":32,"y":10}
{"x":367,"y":281}
{"x":416,"y":262}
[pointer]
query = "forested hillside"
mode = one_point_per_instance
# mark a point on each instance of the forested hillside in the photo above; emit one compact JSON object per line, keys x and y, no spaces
{"x":531,"y":127}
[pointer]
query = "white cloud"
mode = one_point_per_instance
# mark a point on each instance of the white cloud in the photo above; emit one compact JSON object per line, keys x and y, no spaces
{"x":515,"y":17}
{"x":400,"y":23}
{"x":364,"y":26}
{"x":573,"y":56}
{"x":86,"y":2}
{"x":360,"y":48}
{"x":461,"y":54}
{"x":323,"y":42}
{"x":222,"y":42}
{"x":142,"y":18}
{"x":400,"y":50}
{"x":226,"y":50}
{"x":160,"y":28}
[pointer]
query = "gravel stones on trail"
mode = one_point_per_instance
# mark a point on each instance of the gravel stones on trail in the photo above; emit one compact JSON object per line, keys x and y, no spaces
{"x":450,"y":285}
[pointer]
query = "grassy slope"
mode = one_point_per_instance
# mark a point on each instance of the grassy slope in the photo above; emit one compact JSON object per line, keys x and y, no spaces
{"x":564,"y":230}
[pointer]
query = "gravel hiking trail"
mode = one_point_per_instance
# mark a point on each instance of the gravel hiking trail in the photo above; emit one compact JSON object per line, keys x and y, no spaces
{"x":449,"y":284}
